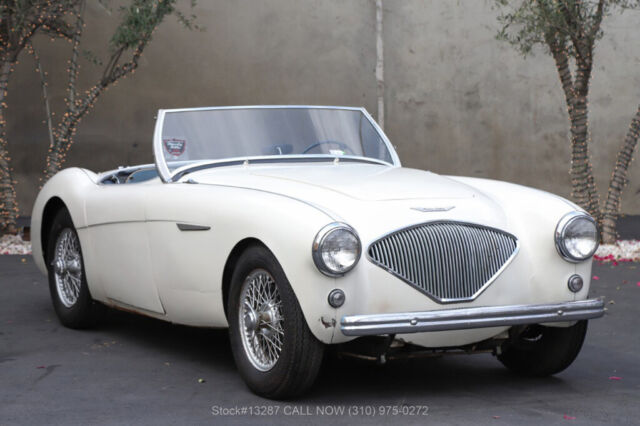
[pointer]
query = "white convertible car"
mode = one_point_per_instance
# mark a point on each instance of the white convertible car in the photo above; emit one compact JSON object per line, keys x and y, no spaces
{"x":296,"y":227}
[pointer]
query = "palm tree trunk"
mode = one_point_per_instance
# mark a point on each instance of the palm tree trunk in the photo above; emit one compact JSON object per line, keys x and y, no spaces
{"x":584,"y":190}
{"x":8,"y":202}
{"x":583,"y":183}
{"x":619,"y":180}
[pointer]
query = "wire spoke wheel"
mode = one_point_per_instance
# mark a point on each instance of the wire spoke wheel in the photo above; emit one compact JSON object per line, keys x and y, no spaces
{"x":275,"y":351}
{"x":67,"y":267}
{"x":261,"y":320}
{"x":67,"y":277}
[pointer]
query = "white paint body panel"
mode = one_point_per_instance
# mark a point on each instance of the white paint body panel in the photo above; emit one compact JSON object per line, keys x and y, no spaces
{"x":136,"y":257}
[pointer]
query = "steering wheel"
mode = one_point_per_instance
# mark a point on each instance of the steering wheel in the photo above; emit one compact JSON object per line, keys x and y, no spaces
{"x":342,"y":145}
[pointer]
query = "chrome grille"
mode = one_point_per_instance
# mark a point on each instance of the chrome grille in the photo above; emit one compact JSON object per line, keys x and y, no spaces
{"x":449,"y":261}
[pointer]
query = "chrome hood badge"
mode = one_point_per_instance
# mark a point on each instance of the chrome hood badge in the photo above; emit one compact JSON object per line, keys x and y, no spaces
{"x":433,"y":209}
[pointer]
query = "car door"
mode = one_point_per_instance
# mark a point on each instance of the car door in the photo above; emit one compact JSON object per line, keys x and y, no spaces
{"x":120,"y":246}
{"x":188,"y":252}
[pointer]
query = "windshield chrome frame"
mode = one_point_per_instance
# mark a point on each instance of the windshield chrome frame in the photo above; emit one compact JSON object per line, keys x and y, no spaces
{"x":166,"y":175}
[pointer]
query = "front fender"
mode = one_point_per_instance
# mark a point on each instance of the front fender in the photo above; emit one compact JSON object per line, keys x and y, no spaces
{"x":70,"y":186}
{"x":537,"y":274}
{"x":285,"y":225}
{"x":534,"y":215}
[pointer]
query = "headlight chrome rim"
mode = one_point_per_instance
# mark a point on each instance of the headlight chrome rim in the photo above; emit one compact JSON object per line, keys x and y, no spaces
{"x":319,"y":240}
{"x":562,"y":226}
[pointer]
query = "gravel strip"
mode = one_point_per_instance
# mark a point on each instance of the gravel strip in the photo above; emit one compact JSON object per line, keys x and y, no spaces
{"x":621,"y":251}
{"x":14,"y":244}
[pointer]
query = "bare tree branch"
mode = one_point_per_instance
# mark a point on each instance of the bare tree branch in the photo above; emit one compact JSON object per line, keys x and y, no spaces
{"x":45,"y":96}
{"x":139,"y":20}
{"x":597,"y":20}
{"x":75,"y":52}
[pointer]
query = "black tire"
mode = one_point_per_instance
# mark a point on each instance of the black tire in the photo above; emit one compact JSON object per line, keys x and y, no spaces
{"x":543,"y":351}
{"x":84,"y":312}
{"x":301,"y":354}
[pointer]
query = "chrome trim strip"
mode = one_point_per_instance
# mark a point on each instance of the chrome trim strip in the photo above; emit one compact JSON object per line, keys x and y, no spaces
{"x":392,"y":151}
{"x":189,"y":227}
{"x":115,"y":303}
{"x":120,"y":222}
{"x":469,"y":318}
{"x":208,"y":108}
{"x":158,"y":156}
{"x":433,"y":209}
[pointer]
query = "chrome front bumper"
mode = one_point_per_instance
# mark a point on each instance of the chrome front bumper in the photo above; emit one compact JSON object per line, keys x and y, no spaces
{"x":466,"y":318}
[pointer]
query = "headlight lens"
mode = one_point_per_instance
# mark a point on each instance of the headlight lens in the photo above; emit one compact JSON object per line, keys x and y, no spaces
{"x":336,"y":249}
{"x":577,"y":236}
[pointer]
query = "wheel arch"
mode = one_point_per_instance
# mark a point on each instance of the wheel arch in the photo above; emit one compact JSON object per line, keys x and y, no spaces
{"x":51,"y":208}
{"x":309,"y":286}
{"x":232,"y":261}
{"x":67,"y":188}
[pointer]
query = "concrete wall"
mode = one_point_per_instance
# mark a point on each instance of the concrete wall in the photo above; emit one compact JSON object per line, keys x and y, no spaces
{"x":457,"y":101}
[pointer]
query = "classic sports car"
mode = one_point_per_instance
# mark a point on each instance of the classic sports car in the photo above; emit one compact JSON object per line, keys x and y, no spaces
{"x":296,"y":228}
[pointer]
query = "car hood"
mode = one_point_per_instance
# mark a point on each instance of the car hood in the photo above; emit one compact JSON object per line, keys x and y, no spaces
{"x":371,"y":183}
{"x":365,"y":195}
{"x":358,"y":181}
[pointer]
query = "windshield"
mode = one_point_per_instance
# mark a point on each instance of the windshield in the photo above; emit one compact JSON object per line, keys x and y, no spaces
{"x":221,"y":133}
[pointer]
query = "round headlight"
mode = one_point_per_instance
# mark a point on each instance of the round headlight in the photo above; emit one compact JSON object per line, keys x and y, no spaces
{"x":577,"y":236}
{"x":336,"y":249}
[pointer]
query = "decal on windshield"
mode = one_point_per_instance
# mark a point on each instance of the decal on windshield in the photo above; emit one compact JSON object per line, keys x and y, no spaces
{"x":174,"y":146}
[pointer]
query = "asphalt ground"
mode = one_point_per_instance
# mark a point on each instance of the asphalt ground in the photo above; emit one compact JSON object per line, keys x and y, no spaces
{"x":629,"y":227}
{"x":135,"y":370}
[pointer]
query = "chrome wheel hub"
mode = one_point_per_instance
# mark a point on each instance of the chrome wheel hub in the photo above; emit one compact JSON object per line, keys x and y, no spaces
{"x":261,"y":320}
{"x":67,"y":267}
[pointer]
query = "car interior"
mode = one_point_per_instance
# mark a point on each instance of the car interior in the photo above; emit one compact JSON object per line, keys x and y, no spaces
{"x":130,"y":175}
